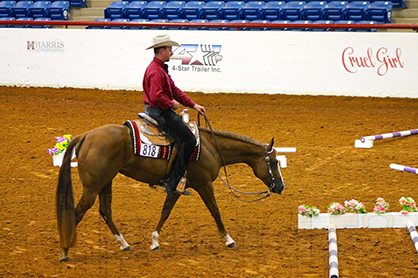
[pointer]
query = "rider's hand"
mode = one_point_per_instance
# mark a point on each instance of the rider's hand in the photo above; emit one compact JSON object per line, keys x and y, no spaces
{"x":176,"y":104}
{"x":200,"y":109}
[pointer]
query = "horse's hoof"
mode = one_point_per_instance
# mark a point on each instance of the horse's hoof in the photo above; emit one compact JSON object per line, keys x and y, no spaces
{"x":157,"y":248}
{"x":232,"y":245}
{"x":64,"y":258}
{"x":128,"y":248}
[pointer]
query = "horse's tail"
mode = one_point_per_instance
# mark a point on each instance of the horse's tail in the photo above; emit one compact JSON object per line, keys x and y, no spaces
{"x":65,"y":199}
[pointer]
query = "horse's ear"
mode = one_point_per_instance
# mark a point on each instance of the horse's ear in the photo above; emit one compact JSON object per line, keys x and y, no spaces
{"x":271,"y":145}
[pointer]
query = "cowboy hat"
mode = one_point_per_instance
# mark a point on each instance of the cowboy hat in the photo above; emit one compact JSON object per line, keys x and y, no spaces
{"x":162,"y":40}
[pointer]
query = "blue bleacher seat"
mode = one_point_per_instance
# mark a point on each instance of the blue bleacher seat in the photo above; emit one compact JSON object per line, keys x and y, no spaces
{"x":219,"y":21}
{"x":159,"y":20}
{"x":254,"y":10}
{"x":155,"y":10}
{"x":350,"y":29}
{"x":139,"y":27}
{"x":358,"y":10}
{"x":381,"y":11}
{"x":9,"y":18}
{"x":198,"y":21}
{"x":315,"y":10}
{"x":259,"y":28}
{"x":44,"y":25}
{"x":24,"y":19}
{"x":273,"y":10}
{"x":399,"y":3}
{"x":175,"y":10}
{"x":336,"y":10}
{"x":120,"y":20}
{"x":178,"y":27}
{"x":59,"y":10}
{"x":294,"y":10}
{"x":214,"y":10}
{"x":301,"y":28}
{"x":322,"y":22}
{"x":78,"y":3}
{"x":22,"y":9}
{"x":233,"y":10}
{"x":6,"y":8}
{"x":194,"y":10}
{"x":280,"y":21}
{"x":100,"y":20}
{"x":116,"y":9}
{"x":369,"y":22}
{"x":136,"y":9}
{"x":239,"y":21}
{"x":40,"y":9}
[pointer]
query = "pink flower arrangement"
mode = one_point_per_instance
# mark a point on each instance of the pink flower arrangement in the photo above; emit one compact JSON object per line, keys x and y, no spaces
{"x":355,"y":206}
{"x":337,"y":209}
{"x":305,"y":210}
{"x":408,"y":205}
{"x":381,"y":206}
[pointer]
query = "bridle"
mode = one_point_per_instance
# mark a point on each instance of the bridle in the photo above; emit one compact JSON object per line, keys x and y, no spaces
{"x":262,"y":194}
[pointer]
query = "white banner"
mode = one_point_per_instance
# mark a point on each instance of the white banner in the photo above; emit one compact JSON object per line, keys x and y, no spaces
{"x":274,"y":62}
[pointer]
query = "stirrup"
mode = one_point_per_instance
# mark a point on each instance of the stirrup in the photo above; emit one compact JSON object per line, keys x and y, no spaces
{"x":181,"y":187}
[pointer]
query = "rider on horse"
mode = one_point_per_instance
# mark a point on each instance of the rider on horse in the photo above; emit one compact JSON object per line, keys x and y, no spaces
{"x":161,"y":98}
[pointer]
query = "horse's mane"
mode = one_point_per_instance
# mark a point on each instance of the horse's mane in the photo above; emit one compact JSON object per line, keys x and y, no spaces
{"x":230,"y":135}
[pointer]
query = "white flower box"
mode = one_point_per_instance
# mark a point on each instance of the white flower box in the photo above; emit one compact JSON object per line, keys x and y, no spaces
{"x":57,"y":159}
{"x":356,"y":220}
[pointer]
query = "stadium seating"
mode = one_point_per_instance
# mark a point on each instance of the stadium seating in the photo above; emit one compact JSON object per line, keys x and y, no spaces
{"x":219,"y":21}
{"x":59,"y":10}
{"x":8,"y":18}
{"x":294,"y":10}
{"x":22,"y":9}
{"x":194,"y":10}
{"x":358,"y":10}
{"x":198,"y":21}
{"x":44,"y":25}
{"x":159,"y":20}
{"x":214,"y":10}
{"x":322,"y":22}
{"x":315,"y":10}
{"x":116,"y":9}
{"x":233,"y":10}
{"x":301,"y":28}
{"x":273,"y":10}
{"x":366,"y":22}
{"x":6,"y":8}
{"x":381,"y":11}
{"x":100,"y":20}
{"x":136,"y":9}
{"x":24,"y":19}
{"x":239,"y":21}
{"x":350,"y":29}
{"x":254,"y":10}
{"x":139,"y":27}
{"x":336,"y":10}
{"x":78,"y":3}
{"x":175,"y":10}
{"x":155,"y":10}
{"x":119,"y":20}
{"x":280,"y":21}
{"x":40,"y":9}
{"x":178,"y":27}
{"x":259,"y":28}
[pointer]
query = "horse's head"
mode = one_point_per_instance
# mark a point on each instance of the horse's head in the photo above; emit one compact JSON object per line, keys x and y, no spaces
{"x":268,"y":169}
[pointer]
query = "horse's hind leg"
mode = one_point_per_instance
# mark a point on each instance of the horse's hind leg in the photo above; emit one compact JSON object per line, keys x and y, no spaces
{"x":105,"y":198}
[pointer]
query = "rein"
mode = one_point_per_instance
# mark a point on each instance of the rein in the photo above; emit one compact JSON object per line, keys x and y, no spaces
{"x":226,"y":181}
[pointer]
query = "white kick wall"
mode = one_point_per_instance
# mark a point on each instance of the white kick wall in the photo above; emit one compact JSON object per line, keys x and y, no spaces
{"x":273,"y":62}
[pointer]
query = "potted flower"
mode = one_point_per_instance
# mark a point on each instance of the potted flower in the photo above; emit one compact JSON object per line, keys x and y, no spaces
{"x":408,"y":205}
{"x":305,"y":210}
{"x":58,"y":150}
{"x":381,"y":206}
{"x":336,"y":209}
{"x":355,"y":206}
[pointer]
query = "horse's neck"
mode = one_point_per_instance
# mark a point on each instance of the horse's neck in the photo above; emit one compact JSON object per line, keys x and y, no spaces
{"x":235,"y":148}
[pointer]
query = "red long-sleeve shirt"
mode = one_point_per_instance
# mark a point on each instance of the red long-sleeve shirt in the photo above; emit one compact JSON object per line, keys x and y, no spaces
{"x":159,"y":88}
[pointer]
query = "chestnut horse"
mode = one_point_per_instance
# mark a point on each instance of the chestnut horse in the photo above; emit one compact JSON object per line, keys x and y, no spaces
{"x":104,"y":152}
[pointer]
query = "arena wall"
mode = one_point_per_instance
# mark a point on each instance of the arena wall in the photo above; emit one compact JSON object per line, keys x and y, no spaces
{"x":379,"y":64}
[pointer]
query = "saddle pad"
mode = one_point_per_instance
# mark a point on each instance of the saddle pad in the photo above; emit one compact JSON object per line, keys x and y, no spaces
{"x":162,"y":151}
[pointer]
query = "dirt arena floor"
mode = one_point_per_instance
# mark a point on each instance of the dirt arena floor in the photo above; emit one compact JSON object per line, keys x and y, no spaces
{"x":326,"y":168}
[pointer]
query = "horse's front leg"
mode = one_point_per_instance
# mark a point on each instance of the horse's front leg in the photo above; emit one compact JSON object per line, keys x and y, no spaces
{"x":169,"y":203}
{"x":207,"y":193}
